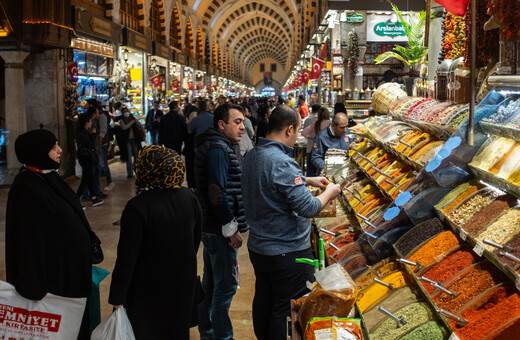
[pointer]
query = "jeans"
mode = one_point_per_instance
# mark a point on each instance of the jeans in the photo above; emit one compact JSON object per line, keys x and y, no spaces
{"x":311,"y":170}
{"x":96,"y":174}
{"x":104,"y":163}
{"x":278,"y":280}
{"x":154,"y":137}
{"x":219,"y":285}
{"x":132,"y":152}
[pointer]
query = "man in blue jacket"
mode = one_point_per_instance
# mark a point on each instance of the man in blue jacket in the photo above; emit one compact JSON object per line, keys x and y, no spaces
{"x":335,"y":136}
{"x":278,"y":210}
{"x":217,"y":174}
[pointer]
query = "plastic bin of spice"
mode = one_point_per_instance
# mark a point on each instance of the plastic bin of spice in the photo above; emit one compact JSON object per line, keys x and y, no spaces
{"x":435,"y":246}
{"x":508,"y":331}
{"x":418,"y":235}
{"x":473,"y":203}
{"x":514,"y":244}
{"x":382,"y":268}
{"x":488,"y":311}
{"x":431,"y":330}
{"x":467,"y":284}
{"x":503,"y":229}
{"x":376,"y":291}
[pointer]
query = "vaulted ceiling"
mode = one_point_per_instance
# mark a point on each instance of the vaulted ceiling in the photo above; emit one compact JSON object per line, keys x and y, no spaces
{"x":249,"y":31}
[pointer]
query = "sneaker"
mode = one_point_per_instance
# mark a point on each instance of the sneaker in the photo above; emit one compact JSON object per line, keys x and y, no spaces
{"x":96,"y":202}
{"x":110,"y":186}
{"x":83,"y":207}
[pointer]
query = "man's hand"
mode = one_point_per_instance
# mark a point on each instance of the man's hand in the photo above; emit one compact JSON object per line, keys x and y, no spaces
{"x":318,"y":182}
{"x":235,"y":241}
{"x":333,"y":189}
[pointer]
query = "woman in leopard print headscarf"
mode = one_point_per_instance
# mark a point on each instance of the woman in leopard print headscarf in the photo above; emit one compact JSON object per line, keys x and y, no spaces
{"x":156,"y":267}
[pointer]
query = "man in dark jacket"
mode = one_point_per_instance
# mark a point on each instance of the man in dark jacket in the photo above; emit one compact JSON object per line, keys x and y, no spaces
{"x":335,"y":136}
{"x":153,"y":120}
{"x":217,"y":174}
{"x":172,"y":130}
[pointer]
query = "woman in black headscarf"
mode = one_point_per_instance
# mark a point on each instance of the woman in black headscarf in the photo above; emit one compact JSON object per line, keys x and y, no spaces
{"x":155,"y":276}
{"x":47,"y":237}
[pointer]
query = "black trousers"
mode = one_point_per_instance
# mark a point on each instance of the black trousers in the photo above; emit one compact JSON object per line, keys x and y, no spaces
{"x":86,"y":178}
{"x":278,"y":280}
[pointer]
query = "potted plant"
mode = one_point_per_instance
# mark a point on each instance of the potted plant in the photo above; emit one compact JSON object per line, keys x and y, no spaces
{"x":414,"y":53}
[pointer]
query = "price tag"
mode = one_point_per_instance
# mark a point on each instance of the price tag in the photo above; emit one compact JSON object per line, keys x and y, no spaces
{"x":463,"y":235}
{"x":454,"y":336}
{"x":479,"y":249}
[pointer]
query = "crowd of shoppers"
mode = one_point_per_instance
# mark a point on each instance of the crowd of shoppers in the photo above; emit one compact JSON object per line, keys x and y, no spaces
{"x":238,"y":163}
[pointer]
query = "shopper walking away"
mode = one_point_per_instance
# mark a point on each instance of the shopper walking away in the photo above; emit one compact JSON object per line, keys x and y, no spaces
{"x":303,"y":109}
{"x":87,"y":157}
{"x":153,"y":119}
{"x":278,"y":210}
{"x":172,"y":130}
{"x":47,"y":236}
{"x":155,"y":276}
{"x":309,"y":131}
{"x":129,"y":140}
{"x":218,"y":172}
{"x":106,"y":135}
{"x":263,"y":116}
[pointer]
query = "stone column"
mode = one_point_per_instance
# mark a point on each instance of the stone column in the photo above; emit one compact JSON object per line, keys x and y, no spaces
{"x":15,"y":116}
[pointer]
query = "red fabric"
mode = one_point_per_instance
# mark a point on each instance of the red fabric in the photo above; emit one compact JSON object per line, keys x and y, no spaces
{"x":73,"y":71}
{"x":323,"y":52}
{"x":306,"y":74}
{"x":317,"y":65}
{"x":156,"y":81}
{"x":457,"y":7}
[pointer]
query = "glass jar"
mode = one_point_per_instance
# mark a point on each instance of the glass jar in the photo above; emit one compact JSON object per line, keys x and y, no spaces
{"x":461,"y":86}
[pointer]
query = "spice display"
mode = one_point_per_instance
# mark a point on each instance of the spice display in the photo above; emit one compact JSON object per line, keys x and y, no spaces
{"x":431,"y":330}
{"x":339,"y":242}
{"x":502,"y":305}
{"x":459,"y":198}
{"x":510,"y":165}
{"x":448,"y":267}
{"x":493,"y":152}
{"x":483,"y":217}
{"x":376,"y":291}
{"x":418,"y":235}
{"x":366,"y":278}
{"x":487,"y":40}
{"x":504,"y":113}
{"x":469,"y":285}
{"x":433,"y":248}
{"x":454,"y":39}
{"x":466,"y":211}
{"x":452,"y":194}
{"x":506,"y":226}
{"x":355,"y":262}
{"x":514,"y":244}
{"x":394,"y":301}
{"x":506,"y":332}
{"x":415,"y":314}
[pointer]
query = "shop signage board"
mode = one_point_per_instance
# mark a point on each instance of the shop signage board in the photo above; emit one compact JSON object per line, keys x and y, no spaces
{"x":93,"y":47}
{"x":90,"y":24}
{"x":161,"y":50}
{"x":136,"y":40}
{"x":355,"y":17}
{"x":181,"y":58}
{"x":383,"y":28}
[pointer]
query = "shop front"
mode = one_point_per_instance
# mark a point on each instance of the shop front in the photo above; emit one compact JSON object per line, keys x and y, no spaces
{"x":156,"y":89}
{"x":93,"y":56}
{"x":135,"y":52}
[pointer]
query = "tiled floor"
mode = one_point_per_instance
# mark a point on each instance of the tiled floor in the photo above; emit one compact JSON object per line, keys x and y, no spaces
{"x":102,"y":220}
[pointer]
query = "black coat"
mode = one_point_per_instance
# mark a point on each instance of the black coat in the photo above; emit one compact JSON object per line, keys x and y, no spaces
{"x":172,"y":131}
{"x":151,"y":122}
{"x":47,"y":244}
{"x":155,"y":274}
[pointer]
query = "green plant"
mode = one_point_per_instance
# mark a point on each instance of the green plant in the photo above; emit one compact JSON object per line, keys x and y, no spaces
{"x":414,"y":52}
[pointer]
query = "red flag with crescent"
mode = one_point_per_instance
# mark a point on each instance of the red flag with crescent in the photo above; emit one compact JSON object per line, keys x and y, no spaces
{"x":323,"y":53}
{"x":73,"y":71}
{"x":306,"y":74}
{"x":317,"y":65}
{"x":156,"y":81}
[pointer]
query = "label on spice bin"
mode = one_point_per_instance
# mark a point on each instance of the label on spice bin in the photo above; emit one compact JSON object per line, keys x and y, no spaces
{"x":479,"y":249}
{"x":463,"y":235}
{"x":454,"y":336}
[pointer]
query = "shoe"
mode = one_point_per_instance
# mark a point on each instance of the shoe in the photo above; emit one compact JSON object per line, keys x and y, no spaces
{"x":83,"y":207}
{"x":85,"y":199}
{"x":110,"y":186}
{"x":96,"y":202}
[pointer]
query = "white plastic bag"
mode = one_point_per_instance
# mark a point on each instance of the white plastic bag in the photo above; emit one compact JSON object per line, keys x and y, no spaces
{"x":78,"y":169}
{"x":53,"y":317}
{"x":115,"y":327}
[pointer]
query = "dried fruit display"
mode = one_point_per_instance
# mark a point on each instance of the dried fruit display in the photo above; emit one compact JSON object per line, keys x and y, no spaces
{"x":507,"y":12}
{"x":454,"y":38}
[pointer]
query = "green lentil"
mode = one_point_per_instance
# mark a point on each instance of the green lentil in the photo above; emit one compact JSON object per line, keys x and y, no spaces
{"x":429,"y":331}
{"x":415,"y":314}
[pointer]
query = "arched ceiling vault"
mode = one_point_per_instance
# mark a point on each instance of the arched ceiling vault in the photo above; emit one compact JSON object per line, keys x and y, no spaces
{"x":249,"y":31}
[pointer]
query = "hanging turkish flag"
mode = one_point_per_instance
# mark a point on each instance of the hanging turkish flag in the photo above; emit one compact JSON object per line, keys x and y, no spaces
{"x":199,"y":86}
{"x":317,"y":65}
{"x":190,"y":84}
{"x":306,"y":74}
{"x":323,"y":52}
{"x":73,"y":71}
{"x":175,"y":84}
{"x":156,"y":81}
{"x":457,"y":7}
{"x":300,"y":80}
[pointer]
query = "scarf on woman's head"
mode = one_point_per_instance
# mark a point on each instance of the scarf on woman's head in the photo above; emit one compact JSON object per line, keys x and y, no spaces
{"x":158,"y":167}
{"x":32,"y":148}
